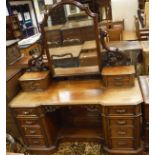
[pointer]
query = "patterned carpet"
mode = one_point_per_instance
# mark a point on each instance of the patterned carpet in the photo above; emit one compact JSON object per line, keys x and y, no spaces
{"x":80,"y":148}
{"x":67,"y":148}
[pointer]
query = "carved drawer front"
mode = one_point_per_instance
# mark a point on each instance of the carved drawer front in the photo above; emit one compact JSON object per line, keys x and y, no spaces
{"x":28,"y":122}
{"x":25,"y":112}
{"x":119,"y":80}
{"x":121,"y":132}
{"x":121,"y":110}
{"x":29,"y":131}
{"x":122,"y":143}
{"x":121,"y":122}
{"x":37,"y":142}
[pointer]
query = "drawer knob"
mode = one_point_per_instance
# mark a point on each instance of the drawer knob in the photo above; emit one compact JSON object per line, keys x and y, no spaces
{"x":35,"y":142}
{"x":122,"y":143}
{"x":32,"y":131}
{"x":121,"y":132}
{"x":121,"y":122}
{"x":28,"y":122}
{"x":118,"y":78}
{"x":121,"y":111}
{"x":26,"y":112}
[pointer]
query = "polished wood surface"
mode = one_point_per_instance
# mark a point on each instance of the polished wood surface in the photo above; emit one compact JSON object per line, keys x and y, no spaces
{"x":89,"y":45}
{"x":118,"y":76}
{"x":34,"y":81}
{"x":90,"y":92}
{"x":118,"y":70}
{"x":33,"y":76}
{"x":129,"y":36}
{"x":10,"y":153}
{"x":74,"y":50}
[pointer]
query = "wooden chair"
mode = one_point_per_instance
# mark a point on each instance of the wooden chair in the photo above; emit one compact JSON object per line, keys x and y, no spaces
{"x":115,"y":34}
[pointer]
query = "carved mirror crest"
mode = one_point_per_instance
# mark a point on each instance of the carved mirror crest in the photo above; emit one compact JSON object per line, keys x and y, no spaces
{"x":71,"y":39}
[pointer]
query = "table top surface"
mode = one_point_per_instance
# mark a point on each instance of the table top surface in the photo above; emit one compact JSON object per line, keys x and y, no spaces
{"x":10,"y":153}
{"x":118,"y":70}
{"x":79,"y":92}
{"x":126,"y":45}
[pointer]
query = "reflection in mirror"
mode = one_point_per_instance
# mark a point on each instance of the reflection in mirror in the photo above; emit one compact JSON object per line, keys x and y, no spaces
{"x":71,"y":40}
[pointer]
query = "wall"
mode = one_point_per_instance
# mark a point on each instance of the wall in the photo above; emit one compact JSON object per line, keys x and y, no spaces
{"x":38,"y":13}
{"x":125,"y":9}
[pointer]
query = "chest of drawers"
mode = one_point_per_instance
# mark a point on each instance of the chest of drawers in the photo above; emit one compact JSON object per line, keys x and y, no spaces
{"x":118,"y":76}
{"x":122,"y":126}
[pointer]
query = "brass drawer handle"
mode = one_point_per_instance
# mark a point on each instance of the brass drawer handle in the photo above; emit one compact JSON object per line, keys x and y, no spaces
{"x":122,"y":143}
{"x":121,"y":111}
{"x":118,"y":78}
{"x":26,"y":112}
{"x":36,"y":142}
{"x":32,"y":131}
{"x":118,"y":83}
{"x":28,"y":122}
{"x":121,"y":122}
{"x":121,"y":132}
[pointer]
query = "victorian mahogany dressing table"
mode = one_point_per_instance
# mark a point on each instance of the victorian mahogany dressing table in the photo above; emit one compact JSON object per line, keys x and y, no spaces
{"x":76,"y":105}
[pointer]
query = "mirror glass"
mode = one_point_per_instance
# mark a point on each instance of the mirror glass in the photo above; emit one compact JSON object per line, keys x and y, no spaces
{"x":71,"y":40}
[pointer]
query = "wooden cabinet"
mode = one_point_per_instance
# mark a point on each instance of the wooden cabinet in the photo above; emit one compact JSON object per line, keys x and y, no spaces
{"x":64,"y":112}
{"x":12,"y":52}
{"x":118,"y":76}
{"x":122,"y":127}
{"x":13,"y":30}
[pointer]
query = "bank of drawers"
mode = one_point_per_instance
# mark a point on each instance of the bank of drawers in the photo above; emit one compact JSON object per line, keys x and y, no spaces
{"x":30,"y":127}
{"x":121,"y":126}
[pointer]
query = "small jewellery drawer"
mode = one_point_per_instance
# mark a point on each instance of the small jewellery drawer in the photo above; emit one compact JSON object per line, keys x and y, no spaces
{"x":119,"y":80}
{"x":29,"y":131}
{"x":25,"y":112}
{"x":36,"y":142}
{"x":122,"y":143}
{"x":28,"y":122}
{"x":121,"y":122}
{"x":121,"y":132}
{"x":121,"y":110}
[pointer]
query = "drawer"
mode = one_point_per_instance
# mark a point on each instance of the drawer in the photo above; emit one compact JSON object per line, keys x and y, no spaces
{"x":31,"y":131}
{"x":27,"y":122}
{"x":25,"y":112}
{"x":121,"y":132}
{"x":122,"y":143}
{"x":118,"y":78}
{"x":36,"y":142}
{"x":121,"y":122}
{"x":121,"y":110}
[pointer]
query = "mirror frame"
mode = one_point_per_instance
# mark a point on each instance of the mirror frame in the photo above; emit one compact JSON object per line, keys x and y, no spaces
{"x":81,"y":7}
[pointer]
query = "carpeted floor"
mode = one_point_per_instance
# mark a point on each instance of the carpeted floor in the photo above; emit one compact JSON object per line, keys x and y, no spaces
{"x":79,"y":148}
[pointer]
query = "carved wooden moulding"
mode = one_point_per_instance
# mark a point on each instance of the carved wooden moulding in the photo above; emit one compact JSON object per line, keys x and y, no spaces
{"x":118,"y":76}
{"x":35,"y":81}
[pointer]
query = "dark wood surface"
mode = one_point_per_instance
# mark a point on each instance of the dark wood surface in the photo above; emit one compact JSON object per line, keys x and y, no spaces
{"x":12,"y":88}
{"x":91,"y":113}
{"x":144,"y":84}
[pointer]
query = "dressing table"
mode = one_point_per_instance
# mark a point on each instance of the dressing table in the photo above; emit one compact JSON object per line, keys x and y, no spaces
{"x":76,"y":105}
